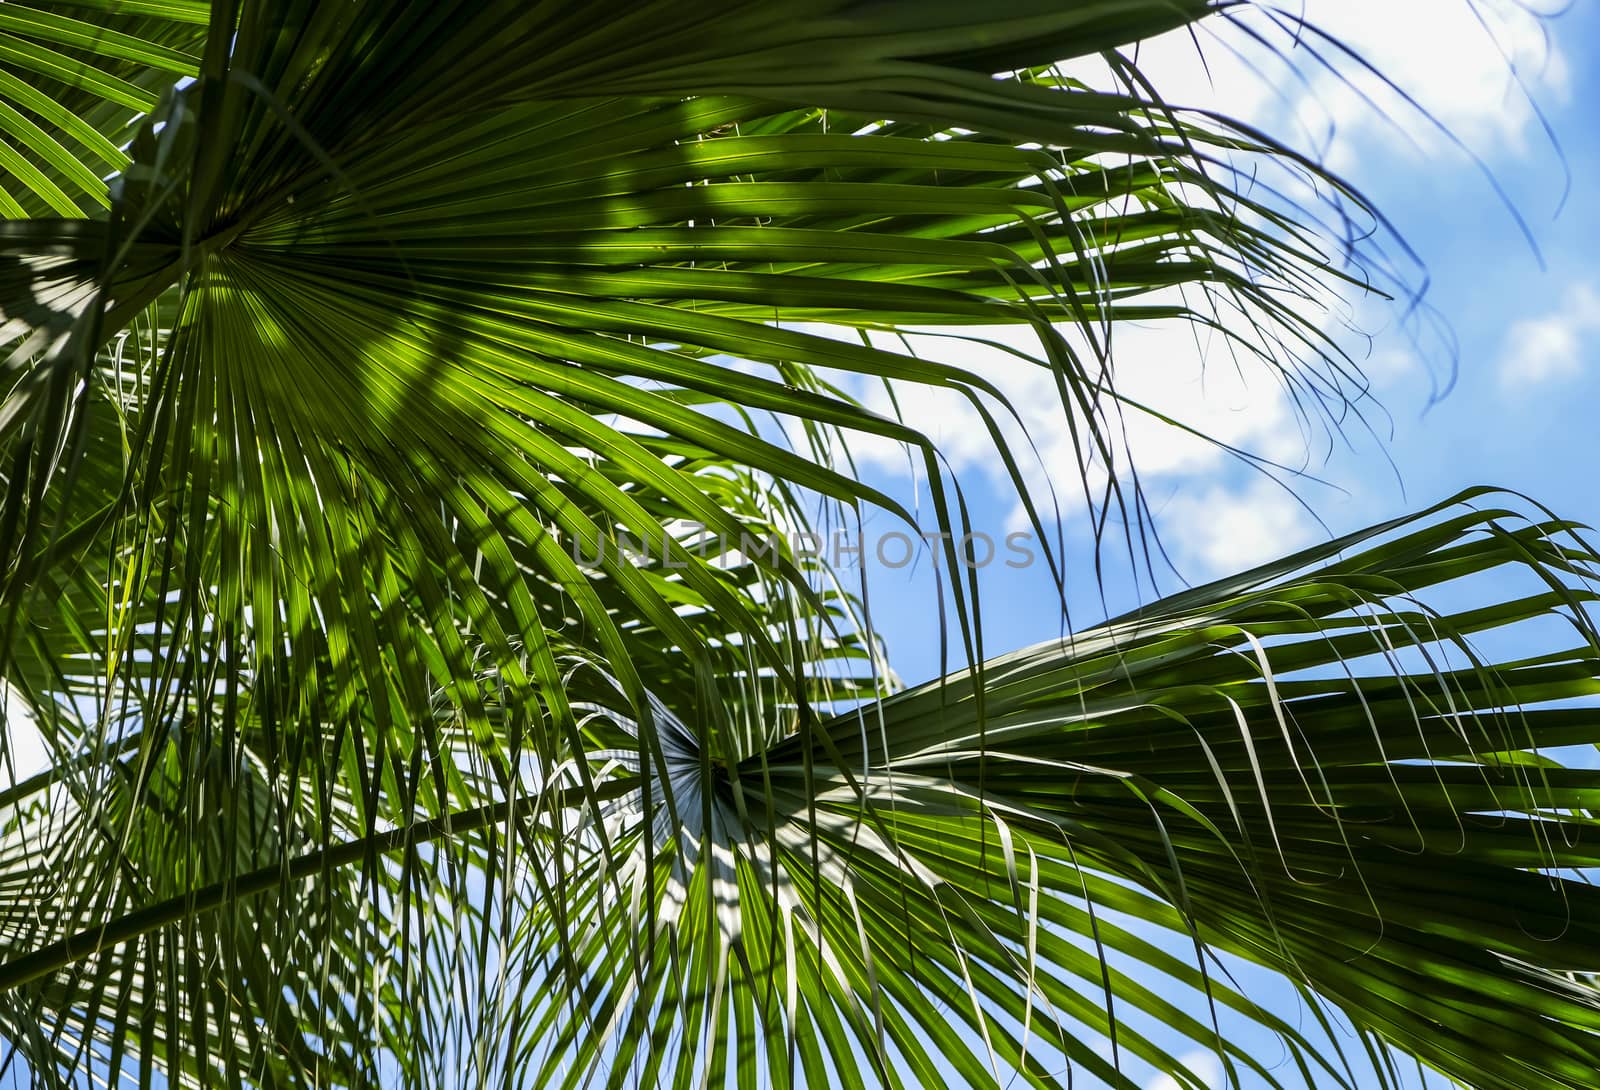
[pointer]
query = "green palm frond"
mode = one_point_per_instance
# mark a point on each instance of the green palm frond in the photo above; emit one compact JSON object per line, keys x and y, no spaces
{"x":377,"y":763}
{"x":421,"y":272}
{"x":1321,"y":766}
{"x":1325,"y":766}
{"x":75,"y":75}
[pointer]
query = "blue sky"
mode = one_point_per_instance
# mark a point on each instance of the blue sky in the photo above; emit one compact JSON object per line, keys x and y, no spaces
{"x":1495,"y":388}
{"x":1492,"y":387}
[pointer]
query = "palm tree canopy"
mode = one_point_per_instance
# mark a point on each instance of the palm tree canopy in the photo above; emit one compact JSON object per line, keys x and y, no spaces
{"x":372,"y":765}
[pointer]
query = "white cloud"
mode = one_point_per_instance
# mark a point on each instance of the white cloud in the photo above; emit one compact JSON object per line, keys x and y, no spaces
{"x":1231,"y":397}
{"x":1460,"y":60}
{"x":1203,"y":1064}
{"x":1217,"y":531}
{"x":1553,"y":345}
{"x":1476,"y":66}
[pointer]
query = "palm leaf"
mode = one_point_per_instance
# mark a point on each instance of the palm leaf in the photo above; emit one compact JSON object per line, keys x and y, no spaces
{"x":74,"y":78}
{"x":400,"y":314}
{"x":456,"y":280}
{"x":1309,"y":766}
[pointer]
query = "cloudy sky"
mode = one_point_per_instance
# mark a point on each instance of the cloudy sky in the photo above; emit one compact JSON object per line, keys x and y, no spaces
{"x":1485,"y":166}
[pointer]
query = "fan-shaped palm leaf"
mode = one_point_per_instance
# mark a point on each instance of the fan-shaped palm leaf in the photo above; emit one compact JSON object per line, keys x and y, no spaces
{"x":313,"y":447}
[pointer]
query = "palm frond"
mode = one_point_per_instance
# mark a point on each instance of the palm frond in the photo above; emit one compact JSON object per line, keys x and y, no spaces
{"x":75,"y":76}
{"x":1325,"y":766}
{"x":386,"y":288}
{"x":316,"y":448}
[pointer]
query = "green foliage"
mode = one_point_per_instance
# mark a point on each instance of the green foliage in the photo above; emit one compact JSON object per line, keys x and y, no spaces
{"x":373,"y":765}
